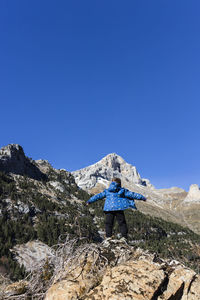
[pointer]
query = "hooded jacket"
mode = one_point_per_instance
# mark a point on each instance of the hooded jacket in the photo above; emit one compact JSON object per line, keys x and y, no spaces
{"x":117,"y":198}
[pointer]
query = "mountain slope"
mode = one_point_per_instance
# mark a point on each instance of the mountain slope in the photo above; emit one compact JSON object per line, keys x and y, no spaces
{"x":42,"y":207}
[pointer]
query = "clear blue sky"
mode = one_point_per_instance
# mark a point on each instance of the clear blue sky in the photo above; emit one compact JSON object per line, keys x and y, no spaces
{"x":81,"y":79}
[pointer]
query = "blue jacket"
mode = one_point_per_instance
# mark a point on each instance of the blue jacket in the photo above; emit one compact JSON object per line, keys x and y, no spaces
{"x":117,"y":198}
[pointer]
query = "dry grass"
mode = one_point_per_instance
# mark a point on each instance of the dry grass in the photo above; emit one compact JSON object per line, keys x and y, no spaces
{"x":68,"y":254}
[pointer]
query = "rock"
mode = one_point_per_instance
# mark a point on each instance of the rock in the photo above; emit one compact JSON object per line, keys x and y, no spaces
{"x":76,"y":279}
{"x":32,"y":254}
{"x":131,"y":280}
{"x":193,"y":290}
{"x":121,"y":272}
{"x":57,"y":185}
{"x":43,"y":165}
{"x":193,"y":194}
{"x":13,"y":160}
{"x":178,"y":285}
{"x":16,"y":288}
{"x":22,"y":207}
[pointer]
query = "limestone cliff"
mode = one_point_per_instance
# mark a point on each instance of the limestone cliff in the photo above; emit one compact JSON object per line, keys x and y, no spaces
{"x":193,"y":195}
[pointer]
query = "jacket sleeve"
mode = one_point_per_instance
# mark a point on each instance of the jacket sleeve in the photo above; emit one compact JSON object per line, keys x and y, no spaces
{"x":97,"y":197}
{"x":132,"y":195}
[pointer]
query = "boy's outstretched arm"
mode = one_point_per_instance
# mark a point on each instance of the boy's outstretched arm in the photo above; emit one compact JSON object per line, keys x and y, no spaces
{"x":96,"y":197}
{"x":132,"y":196}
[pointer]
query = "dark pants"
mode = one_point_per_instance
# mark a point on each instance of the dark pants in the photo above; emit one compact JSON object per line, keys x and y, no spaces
{"x":110,"y":217}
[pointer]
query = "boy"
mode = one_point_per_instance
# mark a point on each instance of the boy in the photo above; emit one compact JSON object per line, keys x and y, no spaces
{"x":117,"y":200}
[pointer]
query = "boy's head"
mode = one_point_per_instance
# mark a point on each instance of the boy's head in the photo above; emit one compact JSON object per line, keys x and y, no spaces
{"x":117,"y":180}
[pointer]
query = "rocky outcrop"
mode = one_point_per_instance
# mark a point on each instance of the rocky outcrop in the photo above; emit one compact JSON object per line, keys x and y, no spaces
{"x":13,"y":160}
{"x":111,"y":270}
{"x":14,"y":290}
{"x":32,"y":254}
{"x":193,"y":195}
{"x":119,"y":271}
{"x":43,"y":165}
{"x":190,"y":207}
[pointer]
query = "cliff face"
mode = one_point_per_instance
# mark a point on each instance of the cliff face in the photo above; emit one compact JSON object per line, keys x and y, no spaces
{"x":193,"y":195}
{"x":13,"y":160}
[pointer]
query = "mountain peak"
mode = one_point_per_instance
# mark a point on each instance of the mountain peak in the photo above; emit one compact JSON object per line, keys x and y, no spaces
{"x":12,"y":150}
{"x":102,"y":172}
{"x":113,"y":155}
{"x":112,"y":160}
{"x":13,"y":160}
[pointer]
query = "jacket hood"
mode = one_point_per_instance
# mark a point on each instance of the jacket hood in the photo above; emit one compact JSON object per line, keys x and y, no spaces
{"x":114,"y":187}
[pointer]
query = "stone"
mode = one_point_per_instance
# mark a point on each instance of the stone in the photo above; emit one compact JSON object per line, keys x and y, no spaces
{"x":57,"y":185}
{"x":16,"y":288}
{"x":130,"y":280}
